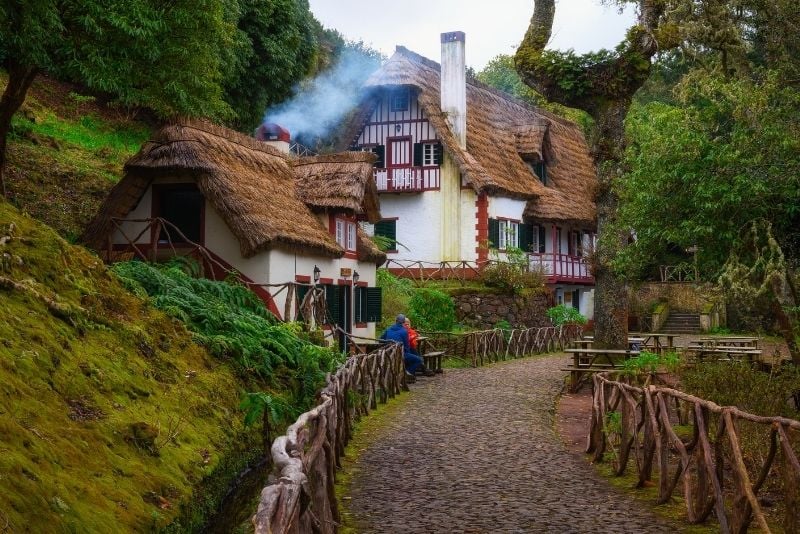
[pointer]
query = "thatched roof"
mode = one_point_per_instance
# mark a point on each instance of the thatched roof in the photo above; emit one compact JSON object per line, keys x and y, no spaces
{"x":500,"y":131}
{"x":251,"y":184}
{"x":342,"y":181}
{"x":368,"y":251}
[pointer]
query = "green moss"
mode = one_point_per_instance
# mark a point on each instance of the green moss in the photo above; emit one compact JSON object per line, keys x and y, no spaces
{"x":73,"y":391}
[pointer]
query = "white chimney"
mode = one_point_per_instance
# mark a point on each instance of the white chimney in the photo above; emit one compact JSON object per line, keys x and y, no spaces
{"x":454,"y":84}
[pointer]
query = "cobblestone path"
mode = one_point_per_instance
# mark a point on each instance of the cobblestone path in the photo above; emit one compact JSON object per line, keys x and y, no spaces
{"x":475,"y":450}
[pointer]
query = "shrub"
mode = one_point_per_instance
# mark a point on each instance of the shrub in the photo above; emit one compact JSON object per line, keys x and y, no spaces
{"x":738,"y":384}
{"x":234,"y":324}
{"x":432,"y":310}
{"x":563,"y":314}
{"x":512,"y":275}
{"x":397,"y":293}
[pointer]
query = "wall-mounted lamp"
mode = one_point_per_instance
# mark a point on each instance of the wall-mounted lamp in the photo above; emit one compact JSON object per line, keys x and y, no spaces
{"x":355,"y":277}
{"x":317,"y":272}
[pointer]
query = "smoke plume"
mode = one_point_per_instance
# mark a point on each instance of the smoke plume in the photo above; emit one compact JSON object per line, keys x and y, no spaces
{"x":320,"y":105}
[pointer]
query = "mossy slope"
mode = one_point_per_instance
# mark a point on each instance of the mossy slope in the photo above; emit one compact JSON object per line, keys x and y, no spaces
{"x":109,"y":413}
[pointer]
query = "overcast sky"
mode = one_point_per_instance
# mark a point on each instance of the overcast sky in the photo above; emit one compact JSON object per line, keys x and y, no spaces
{"x":492,"y":26}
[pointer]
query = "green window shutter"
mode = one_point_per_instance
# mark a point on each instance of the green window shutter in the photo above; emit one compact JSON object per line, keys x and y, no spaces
{"x":541,"y":239}
{"x":525,"y":237}
{"x":374,"y":304}
{"x":380,"y":151}
{"x":494,"y":233}
{"x":437,"y":154}
{"x":417,"y":154}
{"x":387,"y":229}
{"x":360,"y":304}
{"x":332,"y":299}
{"x":541,"y":171}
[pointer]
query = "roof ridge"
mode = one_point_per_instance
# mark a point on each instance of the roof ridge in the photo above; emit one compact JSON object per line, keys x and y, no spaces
{"x":477,"y":84}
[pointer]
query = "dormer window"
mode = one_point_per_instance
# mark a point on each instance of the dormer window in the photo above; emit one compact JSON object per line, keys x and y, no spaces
{"x":345,"y":232}
{"x":398,"y":100}
{"x":539,"y":168}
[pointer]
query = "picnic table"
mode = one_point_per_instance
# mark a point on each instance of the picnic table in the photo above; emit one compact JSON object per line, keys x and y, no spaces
{"x":633,"y":341}
{"x":588,"y":361}
{"x":656,"y":341}
{"x":734,"y":341}
{"x":725,"y":352}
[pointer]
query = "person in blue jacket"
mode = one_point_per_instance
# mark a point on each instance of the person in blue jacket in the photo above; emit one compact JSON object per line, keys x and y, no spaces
{"x":398,"y":333}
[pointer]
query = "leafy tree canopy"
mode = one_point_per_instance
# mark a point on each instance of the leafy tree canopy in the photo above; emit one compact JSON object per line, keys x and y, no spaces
{"x":275,"y":45}
{"x":165,"y":56}
{"x":501,"y":74}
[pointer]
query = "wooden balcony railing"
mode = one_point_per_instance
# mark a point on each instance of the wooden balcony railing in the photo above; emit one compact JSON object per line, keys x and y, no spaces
{"x":561,"y":267}
{"x":407,"y":179}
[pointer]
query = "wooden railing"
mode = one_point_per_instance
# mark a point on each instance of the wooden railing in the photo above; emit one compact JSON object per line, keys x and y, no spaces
{"x":554,"y":268}
{"x":683,"y":272}
{"x":407,"y":179}
{"x":311,"y":309}
{"x":423,"y":271}
{"x":561,"y":267}
{"x":306,"y":457}
{"x":488,"y":346}
{"x":717,"y":475}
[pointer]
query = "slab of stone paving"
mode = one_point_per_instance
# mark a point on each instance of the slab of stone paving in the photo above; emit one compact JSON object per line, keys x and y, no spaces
{"x":475,"y":450}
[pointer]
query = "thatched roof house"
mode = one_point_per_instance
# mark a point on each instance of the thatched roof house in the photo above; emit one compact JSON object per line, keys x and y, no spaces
{"x":264,"y":196}
{"x":502,"y":133}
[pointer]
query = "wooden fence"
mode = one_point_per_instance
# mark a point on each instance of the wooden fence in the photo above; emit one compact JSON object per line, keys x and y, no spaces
{"x":305,"y":458}
{"x":487,"y":346}
{"x":699,"y":443}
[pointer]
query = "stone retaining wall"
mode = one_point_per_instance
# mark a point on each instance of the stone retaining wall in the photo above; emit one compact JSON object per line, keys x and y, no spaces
{"x":485,"y":310}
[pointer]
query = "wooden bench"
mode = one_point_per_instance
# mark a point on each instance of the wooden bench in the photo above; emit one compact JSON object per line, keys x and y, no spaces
{"x":433,"y":361}
{"x":588,"y":361}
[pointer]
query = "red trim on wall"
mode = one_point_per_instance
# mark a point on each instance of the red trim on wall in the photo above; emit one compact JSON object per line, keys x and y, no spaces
{"x":482,"y":227}
{"x":302,"y":278}
{"x":326,"y":281}
{"x":362,"y":284}
{"x":361,"y":325}
{"x":350,"y":255}
{"x":343,"y":282}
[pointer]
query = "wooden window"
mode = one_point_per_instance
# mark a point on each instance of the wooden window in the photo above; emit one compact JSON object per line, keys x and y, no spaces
{"x":398,"y":100}
{"x":542,"y":240}
{"x":351,"y":236}
{"x":559,"y":246}
{"x":509,"y":234}
{"x":368,"y":305}
{"x":427,"y":154}
{"x":540,"y":168}
{"x":333,"y":302}
{"x":301,"y":292}
{"x":527,"y":237}
{"x":345,"y":233}
{"x":340,"y":224}
{"x":378,"y":150}
{"x":388,"y":230}
{"x":183,"y":206}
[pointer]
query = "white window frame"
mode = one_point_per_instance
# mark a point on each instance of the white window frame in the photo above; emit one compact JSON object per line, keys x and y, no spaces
{"x":351,"y":236}
{"x":340,"y":237}
{"x":429,"y":154}
{"x":509,"y":234}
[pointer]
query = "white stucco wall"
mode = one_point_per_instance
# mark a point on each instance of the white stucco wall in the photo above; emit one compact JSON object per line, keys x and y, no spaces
{"x":506,"y":208}
{"x":418,"y":224}
{"x":469,"y":221}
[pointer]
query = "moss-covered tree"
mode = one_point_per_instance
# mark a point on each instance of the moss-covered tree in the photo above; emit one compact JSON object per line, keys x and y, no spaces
{"x":603,"y":85}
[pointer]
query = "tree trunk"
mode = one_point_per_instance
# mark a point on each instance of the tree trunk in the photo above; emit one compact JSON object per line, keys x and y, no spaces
{"x":20,"y":78}
{"x":604,"y":89}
